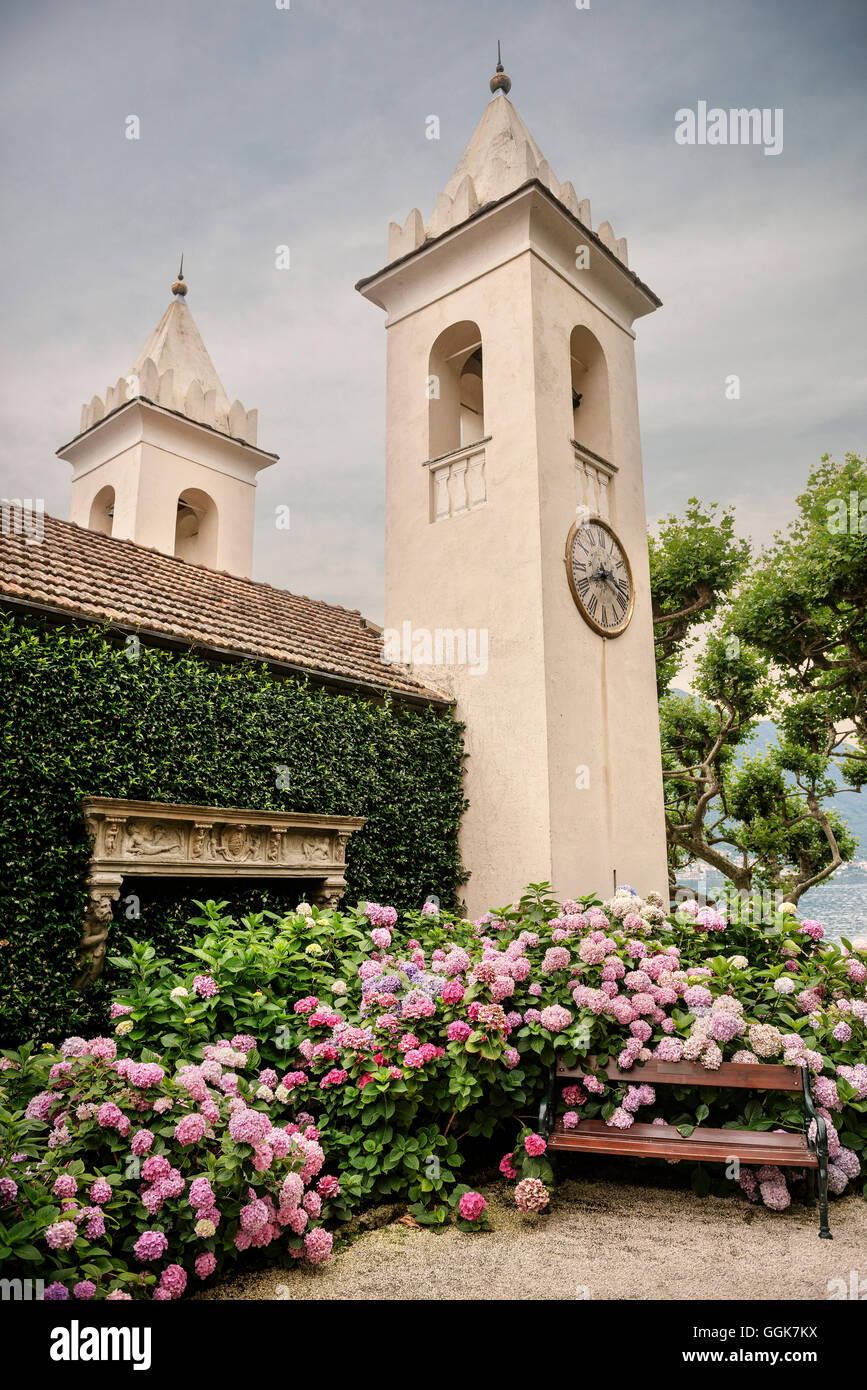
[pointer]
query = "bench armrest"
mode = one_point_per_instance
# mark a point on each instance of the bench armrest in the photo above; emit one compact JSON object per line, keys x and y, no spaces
{"x":819,"y":1145}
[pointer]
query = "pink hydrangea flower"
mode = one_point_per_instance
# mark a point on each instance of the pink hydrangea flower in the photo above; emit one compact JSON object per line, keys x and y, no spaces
{"x":249,"y":1127}
{"x":190,"y":1129}
{"x":201,"y":1194}
{"x":61,"y":1235}
{"x":531,"y":1195}
{"x":109,"y":1115}
{"x":555,"y":1018}
{"x":472,"y":1206}
{"x":173,"y":1280}
{"x":150,"y":1246}
{"x":592,"y":952}
{"x":297,"y":1220}
{"x":318,"y":1245}
{"x":556,"y":958}
{"x":813,"y":929}
{"x":453,"y":992}
{"x":335,"y":1077}
{"x":379,"y":916}
{"x":620,"y":1119}
{"x":144,"y":1074}
{"x":153,"y":1168}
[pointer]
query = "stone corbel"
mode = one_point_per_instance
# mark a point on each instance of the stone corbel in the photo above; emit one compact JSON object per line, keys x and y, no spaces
{"x":102,"y":890}
{"x":330,"y":891}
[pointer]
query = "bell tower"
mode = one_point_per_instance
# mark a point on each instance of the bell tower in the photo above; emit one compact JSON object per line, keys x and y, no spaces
{"x":517,"y":575}
{"x":165,"y":460}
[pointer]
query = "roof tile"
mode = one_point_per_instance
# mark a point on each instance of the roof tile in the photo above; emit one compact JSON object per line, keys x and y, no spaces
{"x":99,"y":577}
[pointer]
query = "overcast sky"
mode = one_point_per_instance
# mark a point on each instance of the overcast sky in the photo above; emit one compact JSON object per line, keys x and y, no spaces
{"x":306,"y":127}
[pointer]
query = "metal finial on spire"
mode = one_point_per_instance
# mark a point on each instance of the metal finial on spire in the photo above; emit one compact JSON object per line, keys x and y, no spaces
{"x":500,"y":82}
{"x":179,"y":289}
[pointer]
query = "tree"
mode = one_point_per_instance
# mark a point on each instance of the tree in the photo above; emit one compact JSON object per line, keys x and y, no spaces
{"x":765,"y":821}
{"x":805,"y":605}
{"x":695,"y":562}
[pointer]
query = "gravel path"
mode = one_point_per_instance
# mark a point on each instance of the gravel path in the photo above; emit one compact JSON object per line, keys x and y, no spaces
{"x":603,"y":1240}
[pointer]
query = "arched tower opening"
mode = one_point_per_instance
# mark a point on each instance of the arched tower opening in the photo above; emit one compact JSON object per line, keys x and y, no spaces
{"x":196,"y":528}
{"x":102,"y":511}
{"x":591,"y":409}
{"x":456,"y":389}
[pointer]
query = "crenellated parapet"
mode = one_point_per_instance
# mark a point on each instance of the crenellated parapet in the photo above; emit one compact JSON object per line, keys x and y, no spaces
{"x":197,"y":401}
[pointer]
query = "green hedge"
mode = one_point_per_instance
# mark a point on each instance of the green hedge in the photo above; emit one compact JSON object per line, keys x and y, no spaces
{"x":80,"y":718}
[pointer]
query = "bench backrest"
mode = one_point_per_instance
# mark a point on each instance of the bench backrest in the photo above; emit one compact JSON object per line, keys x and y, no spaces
{"x":753,"y":1076}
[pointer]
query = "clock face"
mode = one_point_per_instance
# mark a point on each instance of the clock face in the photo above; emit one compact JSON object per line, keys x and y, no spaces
{"x":600,"y":577}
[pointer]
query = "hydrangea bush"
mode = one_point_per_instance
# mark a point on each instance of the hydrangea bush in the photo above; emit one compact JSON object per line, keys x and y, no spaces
{"x":131,"y":1177}
{"x":139,"y":1164}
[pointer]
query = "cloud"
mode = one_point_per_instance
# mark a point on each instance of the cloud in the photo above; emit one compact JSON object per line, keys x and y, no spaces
{"x":306,"y":127}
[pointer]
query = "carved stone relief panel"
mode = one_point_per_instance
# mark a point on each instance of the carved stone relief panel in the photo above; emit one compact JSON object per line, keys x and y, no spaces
{"x":152,"y":838}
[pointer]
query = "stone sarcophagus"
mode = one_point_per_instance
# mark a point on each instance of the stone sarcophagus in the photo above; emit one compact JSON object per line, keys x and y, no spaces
{"x":154,"y":838}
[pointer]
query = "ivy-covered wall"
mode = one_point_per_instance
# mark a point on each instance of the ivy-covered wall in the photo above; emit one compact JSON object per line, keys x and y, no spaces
{"x":79,"y":718}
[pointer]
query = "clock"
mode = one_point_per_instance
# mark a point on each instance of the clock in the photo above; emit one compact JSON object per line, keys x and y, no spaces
{"x":600,"y":577}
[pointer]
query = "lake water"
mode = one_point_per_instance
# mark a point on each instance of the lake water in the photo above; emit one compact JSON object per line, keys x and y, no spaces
{"x":841,"y":905}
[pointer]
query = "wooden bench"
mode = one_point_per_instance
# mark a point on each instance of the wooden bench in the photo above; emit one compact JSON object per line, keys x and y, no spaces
{"x":707,"y":1145}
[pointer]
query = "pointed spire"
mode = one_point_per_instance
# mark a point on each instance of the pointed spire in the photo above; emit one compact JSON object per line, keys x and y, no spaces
{"x":501,"y":155}
{"x":179,"y":289}
{"x":500,"y":82}
{"x":174,"y":370}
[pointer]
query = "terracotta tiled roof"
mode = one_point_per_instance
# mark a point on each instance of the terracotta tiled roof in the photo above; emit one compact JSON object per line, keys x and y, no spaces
{"x":80,"y":572}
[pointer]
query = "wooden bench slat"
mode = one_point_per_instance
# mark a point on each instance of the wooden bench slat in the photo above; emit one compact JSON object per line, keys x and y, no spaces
{"x":753,"y":1076}
{"x":664,"y":1141}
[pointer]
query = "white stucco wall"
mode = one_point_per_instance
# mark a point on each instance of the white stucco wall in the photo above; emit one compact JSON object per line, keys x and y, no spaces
{"x":556,"y":696}
{"x":151,"y":457}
